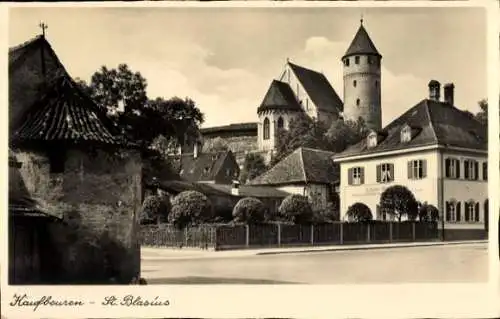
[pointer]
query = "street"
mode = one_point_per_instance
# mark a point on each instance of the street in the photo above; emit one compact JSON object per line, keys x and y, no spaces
{"x":453,"y":263}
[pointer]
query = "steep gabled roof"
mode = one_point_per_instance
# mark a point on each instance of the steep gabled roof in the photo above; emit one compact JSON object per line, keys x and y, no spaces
{"x":318,"y":88}
{"x":279,"y":96}
{"x":205,"y":167}
{"x":65,"y":113}
{"x":361,"y":44}
{"x":304,"y":165}
{"x":432,"y":123}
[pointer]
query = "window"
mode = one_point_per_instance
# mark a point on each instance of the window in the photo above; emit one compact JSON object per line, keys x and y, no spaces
{"x":281,"y":123}
{"x":57,"y":159}
{"x":471,"y":169}
{"x":453,"y":213}
{"x":376,"y":84}
{"x":369,"y":59}
{"x":357,"y":102}
{"x":452,"y":168}
{"x":385,"y":173}
{"x":346,"y":62}
{"x":405,"y":134}
{"x":417,"y":169}
{"x":372,"y":139}
{"x":485,"y":171}
{"x":356,"y":176}
{"x":267,"y":128}
{"x":356,"y":59}
{"x":471,"y":212}
{"x":354,"y":83}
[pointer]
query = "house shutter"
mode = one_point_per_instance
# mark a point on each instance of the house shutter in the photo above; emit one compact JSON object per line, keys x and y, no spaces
{"x":447,"y":207}
{"x":466,"y":169}
{"x":391,"y":170}
{"x":447,"y":167}
{"x":458,"y":211}
{"x":476,"y":170}
{"x":457,"y":168}
{"x":410,"y":170}
{"x":362,"y":171}
{"x":476,"y":212}
{"x":467,"y":212}
{"x":485,"y":171}
{"x":424,"y":168}
{"x":379,"y":173}
{"x":349,"y":175}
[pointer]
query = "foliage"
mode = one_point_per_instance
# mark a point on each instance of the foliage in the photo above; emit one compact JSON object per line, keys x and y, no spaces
{"x":328,"y":214}
{"x":427,"y":212}
{"x":156,"y":166}
{"x":155,"y":208}
{"x":249,"y":210}
{"x":482,"y":115}
{"x":253,"y":166}
{"x":190,"y":208}
{"x":217,"y":144}
{"x":399,"y":201}
{"x":343,"y":134}
{"x":359,"y":212}
{"x":296,"y":209}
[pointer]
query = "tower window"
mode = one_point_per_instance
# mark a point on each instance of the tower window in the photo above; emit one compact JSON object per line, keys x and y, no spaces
{"x":369,"y":59}
{"x":281,"y":123}
{"x":346,"y":62}
{"x":267,"y":128}
{"x":357,"y":102}
{"x":376,"y":84}
{"x":354,"y":83}
{"x":356,"y":59}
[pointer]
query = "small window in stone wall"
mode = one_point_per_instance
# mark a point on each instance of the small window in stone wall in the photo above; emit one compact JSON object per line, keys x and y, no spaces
{"x":356,"y":59}
{"x":357,"y":102}
{"x":57,"y":159}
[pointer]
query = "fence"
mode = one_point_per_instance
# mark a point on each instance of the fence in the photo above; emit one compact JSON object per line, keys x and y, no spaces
{"x":224,"y":237}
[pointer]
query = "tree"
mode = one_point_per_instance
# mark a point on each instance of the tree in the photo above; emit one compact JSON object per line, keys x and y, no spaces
{"x":190,"y":208}
{"x":359,"y":212}
{"x":482,"y":115}
{"x":399,"y":201}
{"x":343,"y":134}
{"x":296,"y":209}
{"x":249,"y":210}
{"x":427,"y":212}
{"x":155,"y":208}
{"x":253,"y":166}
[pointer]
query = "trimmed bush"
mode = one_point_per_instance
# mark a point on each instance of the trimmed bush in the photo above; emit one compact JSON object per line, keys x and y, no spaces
{"x":296,"y":209}
{"x":428,"y":212}
{"x":155,"y":208}
{"x":249,"y":210}
{"x":399,"y":201}
{"x":190,"y":208}
{"x":359,"y":212}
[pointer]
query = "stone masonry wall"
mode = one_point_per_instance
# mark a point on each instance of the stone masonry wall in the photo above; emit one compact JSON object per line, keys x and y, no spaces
{"x":99,"y":198}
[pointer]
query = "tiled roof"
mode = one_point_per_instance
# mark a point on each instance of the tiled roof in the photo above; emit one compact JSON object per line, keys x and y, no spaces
{"x":279,"y":96}
{"x":304,"y":165}
{"x":362,"y":44}
{"x":66,"y":113}
{"x":432,"y":123}
{"x":237,"y":127}
{"x":318,"y":88}
{"x":205,"y":167}
{"x":251,"y":191}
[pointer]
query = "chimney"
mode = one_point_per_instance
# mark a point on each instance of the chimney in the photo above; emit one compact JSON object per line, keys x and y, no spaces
{"x":235,"y":189}
{"x":449,"y":89}
{"x":195,"y":150}
{"x":434,"y":90}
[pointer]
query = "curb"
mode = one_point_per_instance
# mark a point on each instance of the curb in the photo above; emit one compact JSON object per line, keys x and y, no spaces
{"x":340,"y":248}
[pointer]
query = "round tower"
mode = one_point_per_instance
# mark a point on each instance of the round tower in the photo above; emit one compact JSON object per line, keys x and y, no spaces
{"x":362,"y":79}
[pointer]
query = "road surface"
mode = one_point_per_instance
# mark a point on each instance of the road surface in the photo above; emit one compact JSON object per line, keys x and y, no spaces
{"x":454,"y":263}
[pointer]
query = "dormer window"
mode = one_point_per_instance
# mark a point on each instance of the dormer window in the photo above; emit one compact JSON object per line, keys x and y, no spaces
{"x":372,"y":139}
{"x":405,"y":134}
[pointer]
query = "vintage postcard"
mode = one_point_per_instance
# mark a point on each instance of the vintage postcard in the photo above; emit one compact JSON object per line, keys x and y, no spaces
{"x":251,"y":160}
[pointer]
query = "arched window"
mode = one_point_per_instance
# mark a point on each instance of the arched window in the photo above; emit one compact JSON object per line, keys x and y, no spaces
{"x":281,"y":123}
{"x":357,"y":102}
{"x":267,"y":128}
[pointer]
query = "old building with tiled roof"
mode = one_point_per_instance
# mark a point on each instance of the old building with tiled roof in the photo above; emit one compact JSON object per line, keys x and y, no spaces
{"x":434,"y":149}
{"x":74,"y":161}
{"x":306,"y":171}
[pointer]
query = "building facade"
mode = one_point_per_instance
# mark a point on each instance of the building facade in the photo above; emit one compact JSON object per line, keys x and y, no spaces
{"x":435,"y":150}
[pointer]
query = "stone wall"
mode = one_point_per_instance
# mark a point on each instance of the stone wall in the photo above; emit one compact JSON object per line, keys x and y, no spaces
{"x":99,"y":198}
{"x":239,"y":145}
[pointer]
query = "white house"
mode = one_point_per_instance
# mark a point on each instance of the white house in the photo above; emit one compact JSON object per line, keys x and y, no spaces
{"x":434,"y":149}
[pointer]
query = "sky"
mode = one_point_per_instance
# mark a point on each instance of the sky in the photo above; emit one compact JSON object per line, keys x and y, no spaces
{"x":225,"y":58}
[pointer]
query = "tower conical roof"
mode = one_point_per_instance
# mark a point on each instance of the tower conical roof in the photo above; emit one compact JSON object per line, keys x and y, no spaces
{"x":362,"y":44}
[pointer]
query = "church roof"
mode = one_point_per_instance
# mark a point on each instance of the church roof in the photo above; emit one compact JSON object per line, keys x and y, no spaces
{"x":432,"y":123}
{"x":318,"y":88}
{"x":304,"y":165}
{"x":361,"y":44}
{"x":65,"y":113}
{"x":279,"y":96}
